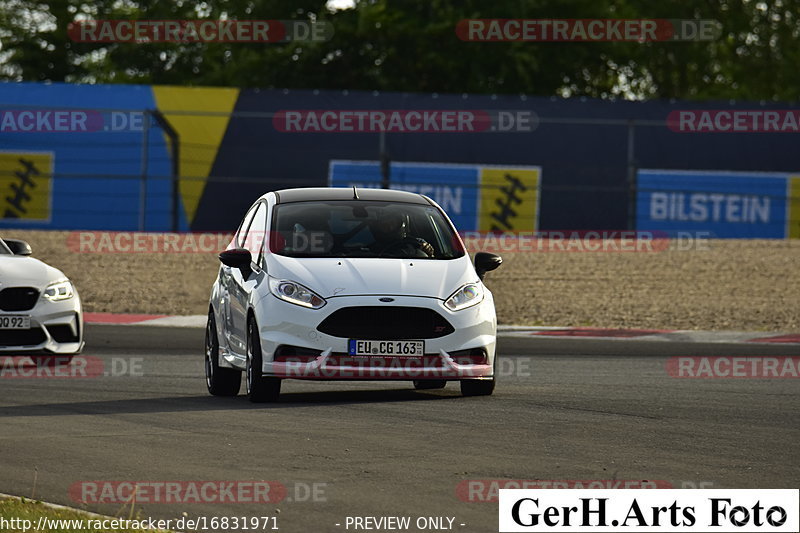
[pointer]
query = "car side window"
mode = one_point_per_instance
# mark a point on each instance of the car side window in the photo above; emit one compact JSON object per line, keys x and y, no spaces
{"x":241,"y":233}
{"x":254,"y":241}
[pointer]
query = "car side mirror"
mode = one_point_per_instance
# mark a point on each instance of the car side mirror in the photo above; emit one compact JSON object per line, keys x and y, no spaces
{"x":484,"y":262}
{"x":18,"y":247}
{"x":237,"y":258}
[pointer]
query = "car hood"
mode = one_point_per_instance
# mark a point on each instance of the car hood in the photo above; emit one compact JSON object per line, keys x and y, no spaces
{"x":16,"y":271}
{"x":366,"y":276}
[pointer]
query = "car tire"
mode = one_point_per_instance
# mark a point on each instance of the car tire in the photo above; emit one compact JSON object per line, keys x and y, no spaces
{"x":220,"y":381}
{"x":429,"y":384}
{"x":260,"y":389}
{"x":477,"y":387}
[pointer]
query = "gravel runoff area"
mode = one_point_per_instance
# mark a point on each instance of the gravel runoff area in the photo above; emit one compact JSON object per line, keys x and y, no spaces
{"x":746,"y":285}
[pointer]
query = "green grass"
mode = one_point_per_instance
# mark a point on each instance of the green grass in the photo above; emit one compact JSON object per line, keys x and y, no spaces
{"x":13,"y":513}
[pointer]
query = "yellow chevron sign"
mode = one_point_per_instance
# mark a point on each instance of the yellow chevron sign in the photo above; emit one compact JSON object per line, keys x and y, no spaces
{"x":509,"y":199}
{"x":26,"y":185}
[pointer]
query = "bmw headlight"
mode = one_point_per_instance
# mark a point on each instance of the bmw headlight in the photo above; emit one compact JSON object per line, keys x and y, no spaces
{"x":60,"y":290}
{"x":467,"y":296}
{"x":295,"y":293}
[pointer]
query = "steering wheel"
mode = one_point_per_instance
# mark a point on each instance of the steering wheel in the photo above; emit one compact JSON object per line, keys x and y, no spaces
{"x":414,"y":241}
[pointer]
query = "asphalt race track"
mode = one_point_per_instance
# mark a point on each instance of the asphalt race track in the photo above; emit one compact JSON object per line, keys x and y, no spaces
{"x":564,"y":409}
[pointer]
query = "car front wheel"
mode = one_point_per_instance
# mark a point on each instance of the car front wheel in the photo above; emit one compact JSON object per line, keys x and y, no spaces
{"x":220,"y":381}
{"x":259,"y":388}
{"x":429,"y":384}
{"x":477,"y":387}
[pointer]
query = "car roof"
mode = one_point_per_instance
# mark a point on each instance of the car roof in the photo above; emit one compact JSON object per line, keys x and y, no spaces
{"x":311,"y":194}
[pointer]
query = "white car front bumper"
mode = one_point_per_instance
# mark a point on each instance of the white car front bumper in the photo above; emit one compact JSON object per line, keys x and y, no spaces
{"x":56,"y":327}
{"x":283,"y":324}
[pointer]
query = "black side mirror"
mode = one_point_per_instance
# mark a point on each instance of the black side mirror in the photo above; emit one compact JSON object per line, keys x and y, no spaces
{"x":484,"y":262}
{"x":18,"y":247}
{"x":237,"y":258}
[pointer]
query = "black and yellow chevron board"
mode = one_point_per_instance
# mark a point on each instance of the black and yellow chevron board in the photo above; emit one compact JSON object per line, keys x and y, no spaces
{"x":509,"y":199}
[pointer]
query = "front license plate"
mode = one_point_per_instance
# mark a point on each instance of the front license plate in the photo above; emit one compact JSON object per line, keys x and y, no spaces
{"x":383,"y":348}
{"x":15,"y":322}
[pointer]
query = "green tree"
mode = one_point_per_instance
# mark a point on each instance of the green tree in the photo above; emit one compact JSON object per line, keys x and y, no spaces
{"x":411,"y":45}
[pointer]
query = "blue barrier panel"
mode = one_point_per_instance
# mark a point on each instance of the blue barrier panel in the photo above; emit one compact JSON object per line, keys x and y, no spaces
{"x":454,"y":187}
{"x":725,"y":204}
{"x":76,"y":173}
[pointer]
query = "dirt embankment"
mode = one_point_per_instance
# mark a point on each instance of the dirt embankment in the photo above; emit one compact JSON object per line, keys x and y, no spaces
{"x":731,"y":285}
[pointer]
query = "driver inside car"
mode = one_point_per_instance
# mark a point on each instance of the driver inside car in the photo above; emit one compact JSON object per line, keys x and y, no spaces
{"x":391,"y":231}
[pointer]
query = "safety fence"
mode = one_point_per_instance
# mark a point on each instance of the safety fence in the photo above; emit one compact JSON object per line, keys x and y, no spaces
{"x":179,"y":159}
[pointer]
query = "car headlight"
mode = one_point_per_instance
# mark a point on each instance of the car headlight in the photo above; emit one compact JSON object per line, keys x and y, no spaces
{"x":467,"y":296}
{"x":295,"y":293}
{"x":60,"y":290}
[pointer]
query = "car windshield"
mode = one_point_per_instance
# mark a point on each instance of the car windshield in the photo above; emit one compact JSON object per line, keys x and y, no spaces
{"x":358,"y":228}
{"x":4,"y":249}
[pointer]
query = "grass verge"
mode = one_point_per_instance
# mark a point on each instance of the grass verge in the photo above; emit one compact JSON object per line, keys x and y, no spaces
{"x":24,"y":515}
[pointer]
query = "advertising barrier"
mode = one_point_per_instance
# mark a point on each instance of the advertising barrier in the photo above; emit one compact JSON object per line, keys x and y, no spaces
{"x":475,"y":197}
{"x":148,"y":158}
{"x":726,"y":204}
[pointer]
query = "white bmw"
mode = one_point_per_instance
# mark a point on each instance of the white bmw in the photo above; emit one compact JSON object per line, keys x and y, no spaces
{"x":40,"y":311}
{"x":345,"y":284}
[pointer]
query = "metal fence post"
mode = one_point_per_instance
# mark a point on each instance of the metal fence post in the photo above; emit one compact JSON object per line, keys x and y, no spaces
{"x":631,"y":176}
{"x":143,"y":178}
{"x":385,"y":162}
{"x":176,"y":178}
{"x":176,"y":175}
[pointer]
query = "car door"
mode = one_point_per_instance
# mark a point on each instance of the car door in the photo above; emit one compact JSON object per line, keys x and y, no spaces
{"x":243,"y":282}
{"x":226,"y":283}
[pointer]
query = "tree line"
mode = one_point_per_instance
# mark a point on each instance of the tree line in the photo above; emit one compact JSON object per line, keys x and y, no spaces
{"x":413,"y":46}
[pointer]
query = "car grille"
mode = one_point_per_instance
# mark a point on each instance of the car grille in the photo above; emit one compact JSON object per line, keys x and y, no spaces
{"x":386,"y":323}
{"x":408,"y":363}
{"x":22,"y":337}
{"x":18,"y":298}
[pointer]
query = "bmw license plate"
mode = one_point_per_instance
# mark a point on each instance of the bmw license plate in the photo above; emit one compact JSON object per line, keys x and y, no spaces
{"x":384,"y":348}
{"x":15,"y":322}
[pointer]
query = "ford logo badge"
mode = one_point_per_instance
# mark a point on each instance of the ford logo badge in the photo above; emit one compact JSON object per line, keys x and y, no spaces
{"x":386,"y":299}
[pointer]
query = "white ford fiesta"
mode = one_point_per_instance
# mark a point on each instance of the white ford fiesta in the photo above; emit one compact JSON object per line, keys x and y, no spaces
{"x":40,"y":311}
{"x":347,"y":284}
